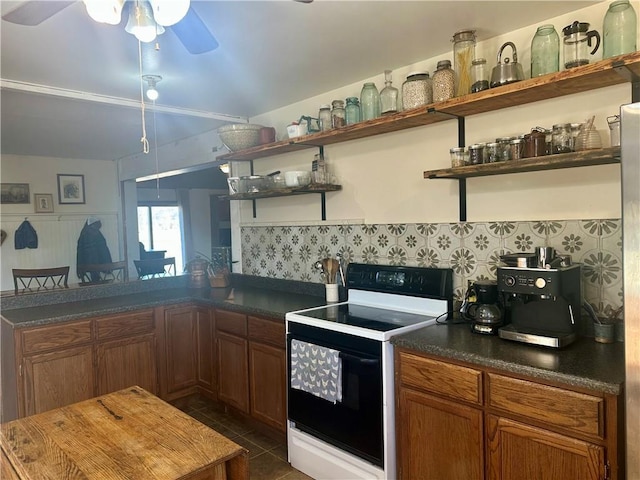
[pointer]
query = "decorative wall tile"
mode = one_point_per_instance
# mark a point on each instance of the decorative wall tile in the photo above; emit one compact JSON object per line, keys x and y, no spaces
{"x":472,"y":250}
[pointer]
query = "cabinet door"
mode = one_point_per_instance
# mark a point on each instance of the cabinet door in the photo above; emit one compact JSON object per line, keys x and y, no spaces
{"x":127,"y":362}
{"x":232,"y":370}
{"x":59,"y":378}
{"x":268,"y":381}
{"x":521,"y":452}
{"x":180,"y":348}
{"x":206,"y":348}
{"x":438,"y":439}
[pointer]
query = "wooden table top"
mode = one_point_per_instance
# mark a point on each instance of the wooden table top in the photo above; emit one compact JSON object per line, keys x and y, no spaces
{"x":129,"y":434}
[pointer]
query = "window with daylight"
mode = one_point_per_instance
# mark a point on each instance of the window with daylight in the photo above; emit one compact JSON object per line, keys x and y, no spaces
{"x":159,"y":229}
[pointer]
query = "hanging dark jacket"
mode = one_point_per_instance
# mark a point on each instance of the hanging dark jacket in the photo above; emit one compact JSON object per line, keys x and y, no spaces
{"x":92,"y":248}
{"x":25,"y":236}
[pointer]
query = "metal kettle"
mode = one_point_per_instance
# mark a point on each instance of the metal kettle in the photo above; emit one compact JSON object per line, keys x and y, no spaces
{"x":506,"y":72}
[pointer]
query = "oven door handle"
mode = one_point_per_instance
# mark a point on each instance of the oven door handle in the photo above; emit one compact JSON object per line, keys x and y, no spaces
{"x":363,"y":361}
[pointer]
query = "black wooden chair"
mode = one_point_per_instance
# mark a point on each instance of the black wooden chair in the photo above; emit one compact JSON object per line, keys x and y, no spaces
{"x":156,"y":267}
{"x":35,"y":279}
{"x":115,"y":272}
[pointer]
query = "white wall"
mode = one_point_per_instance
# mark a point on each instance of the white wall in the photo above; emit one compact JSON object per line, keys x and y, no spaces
{"x":58,"y":232}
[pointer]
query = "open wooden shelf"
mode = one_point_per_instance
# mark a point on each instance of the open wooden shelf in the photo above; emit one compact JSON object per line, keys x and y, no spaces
{"x":284,"y":192}
{"x":585,"y":158}
{"x":612,"y":71}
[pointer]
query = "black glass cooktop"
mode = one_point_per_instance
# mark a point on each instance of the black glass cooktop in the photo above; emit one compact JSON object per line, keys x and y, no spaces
{"x":380,"y":319}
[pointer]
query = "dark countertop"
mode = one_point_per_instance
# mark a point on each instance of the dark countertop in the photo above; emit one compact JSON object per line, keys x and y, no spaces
{"x":248,"y":299}
{"x":585,"y":363}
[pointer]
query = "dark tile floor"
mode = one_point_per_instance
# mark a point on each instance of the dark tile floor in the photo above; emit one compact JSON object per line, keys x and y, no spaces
{"x":267,"y":457}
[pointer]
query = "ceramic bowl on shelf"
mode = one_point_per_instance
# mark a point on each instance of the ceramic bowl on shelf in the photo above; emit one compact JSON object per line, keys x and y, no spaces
{"x":240,"y":136}
{"x":297,"y":178}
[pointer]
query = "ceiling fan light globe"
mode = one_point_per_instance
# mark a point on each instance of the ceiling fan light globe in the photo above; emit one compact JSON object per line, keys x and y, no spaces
{"x":105,"y":11}
{"x":141,"y":24}
{"x":169,"y":12}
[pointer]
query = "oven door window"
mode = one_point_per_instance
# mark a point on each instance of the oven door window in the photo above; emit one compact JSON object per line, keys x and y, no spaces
{"x":355,"y":423}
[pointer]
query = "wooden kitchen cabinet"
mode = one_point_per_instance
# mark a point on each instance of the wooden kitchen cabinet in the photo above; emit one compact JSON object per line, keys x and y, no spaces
{"x":205,"y":337}
{"x":178,"y":353}
{"x":456,"y":420}
{"x":57,"y":378}
{"x":517,"y":451}
{"x":251,"y":366}
{"x":268,"y":371}
{"x":126,"y":352}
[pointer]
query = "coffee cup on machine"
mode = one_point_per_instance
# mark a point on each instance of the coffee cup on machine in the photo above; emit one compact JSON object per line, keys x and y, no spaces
{"x":545,"y":256}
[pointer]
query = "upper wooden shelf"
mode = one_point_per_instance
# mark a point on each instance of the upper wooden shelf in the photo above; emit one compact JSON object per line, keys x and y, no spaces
{"x":584,"y":158}
{"x":612,"y":71}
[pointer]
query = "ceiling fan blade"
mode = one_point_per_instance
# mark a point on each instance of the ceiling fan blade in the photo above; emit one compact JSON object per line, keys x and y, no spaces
{"x":34,"y":13}
{"x":194,"y":34}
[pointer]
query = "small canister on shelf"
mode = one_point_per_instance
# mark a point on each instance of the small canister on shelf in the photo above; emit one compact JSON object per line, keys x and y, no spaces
{"x":505,"y":151}
{"x":476,"y":154}
{"x":352,"y":110}
{"x":338,"y":115}
{"x":493,"y":152}
{"x":444,"y":79}
{"x":324,"y":115}
{"x":458,"y":157}
{"x":479,"y":75}
{"x":516,"y":147}
{"x":417,"y":90}
{"x":561,"y":138}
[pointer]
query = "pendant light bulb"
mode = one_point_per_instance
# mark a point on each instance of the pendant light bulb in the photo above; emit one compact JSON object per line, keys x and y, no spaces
{"x":169,"y":12}
{"x":152,"y":80}
{"x":105,"y":11}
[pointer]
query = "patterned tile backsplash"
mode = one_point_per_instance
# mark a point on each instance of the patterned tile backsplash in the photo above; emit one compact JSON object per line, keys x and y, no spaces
{"x":471,"y":249}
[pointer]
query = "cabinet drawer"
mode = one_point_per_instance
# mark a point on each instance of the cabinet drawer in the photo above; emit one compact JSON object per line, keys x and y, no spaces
{"x":554,"y":406}
{"x":124,"y":325}
{"x":267,"y":331}
{"x":442,"y":378}
{"x":231,"y":322}
{"x":56,"y":336}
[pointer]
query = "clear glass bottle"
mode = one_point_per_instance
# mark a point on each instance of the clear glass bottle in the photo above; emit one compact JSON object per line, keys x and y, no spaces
{"x":338,"y":114}
{"x":369,"y":102}
{"x":444,"y":81}
{"x":545,"y":51}
{"x":619,"y":29}
{"x":464,"y":45}
{"x":324,"y":115}
{"x":388,"y":96}
{"x":417,"y":90}
{"x":352,"y":110}
{"x":479,"y":75}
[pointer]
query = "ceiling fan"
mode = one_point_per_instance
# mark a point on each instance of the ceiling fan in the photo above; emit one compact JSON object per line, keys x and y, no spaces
{"x":144,"y":18}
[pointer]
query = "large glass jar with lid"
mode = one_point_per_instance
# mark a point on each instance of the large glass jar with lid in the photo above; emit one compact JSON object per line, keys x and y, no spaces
{"x":479,"y":75}
{"x":417,"y":90}
{"x":388,"y":95}
{"x":324,"y":115}
{"x":444,"y":81}
{"x":545,"y":51}
{"x":464,"y":46}
{"x":369,"y":102}
{"x":338,"y":114}
{"x":352,"y":110}
{"x":619,"y":29}
{"x":561,"y":138}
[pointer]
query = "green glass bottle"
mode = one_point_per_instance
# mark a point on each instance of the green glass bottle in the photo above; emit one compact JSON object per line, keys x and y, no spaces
{"x":619,"y":29}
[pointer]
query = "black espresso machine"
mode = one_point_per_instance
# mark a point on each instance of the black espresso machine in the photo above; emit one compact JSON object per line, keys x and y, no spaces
{"x":542,"y":305}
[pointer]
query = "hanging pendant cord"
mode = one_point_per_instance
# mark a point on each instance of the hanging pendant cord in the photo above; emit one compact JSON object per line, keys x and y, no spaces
{"x":145,"y":142}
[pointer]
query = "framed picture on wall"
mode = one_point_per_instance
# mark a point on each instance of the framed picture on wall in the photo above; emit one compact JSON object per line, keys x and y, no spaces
{"x":70,"y":189}
{"x":43,"y":202}
{"x":14,"y":193}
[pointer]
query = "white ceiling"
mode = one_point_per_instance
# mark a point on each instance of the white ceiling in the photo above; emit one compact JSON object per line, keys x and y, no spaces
{"x":271,"y":54}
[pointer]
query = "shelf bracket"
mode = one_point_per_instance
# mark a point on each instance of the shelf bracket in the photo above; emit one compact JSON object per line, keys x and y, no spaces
{"x":625,"y":72}
{"x":462,"y":182}
{"x":323,"y":205}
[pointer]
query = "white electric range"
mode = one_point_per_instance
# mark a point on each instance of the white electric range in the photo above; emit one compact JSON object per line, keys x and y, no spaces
{"x":341,"y":417}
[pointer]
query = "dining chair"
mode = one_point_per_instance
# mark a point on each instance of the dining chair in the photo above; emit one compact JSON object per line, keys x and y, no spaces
{"x":156,"y":267}
{"x":114,"y":272}
{"x":34,"y":279}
